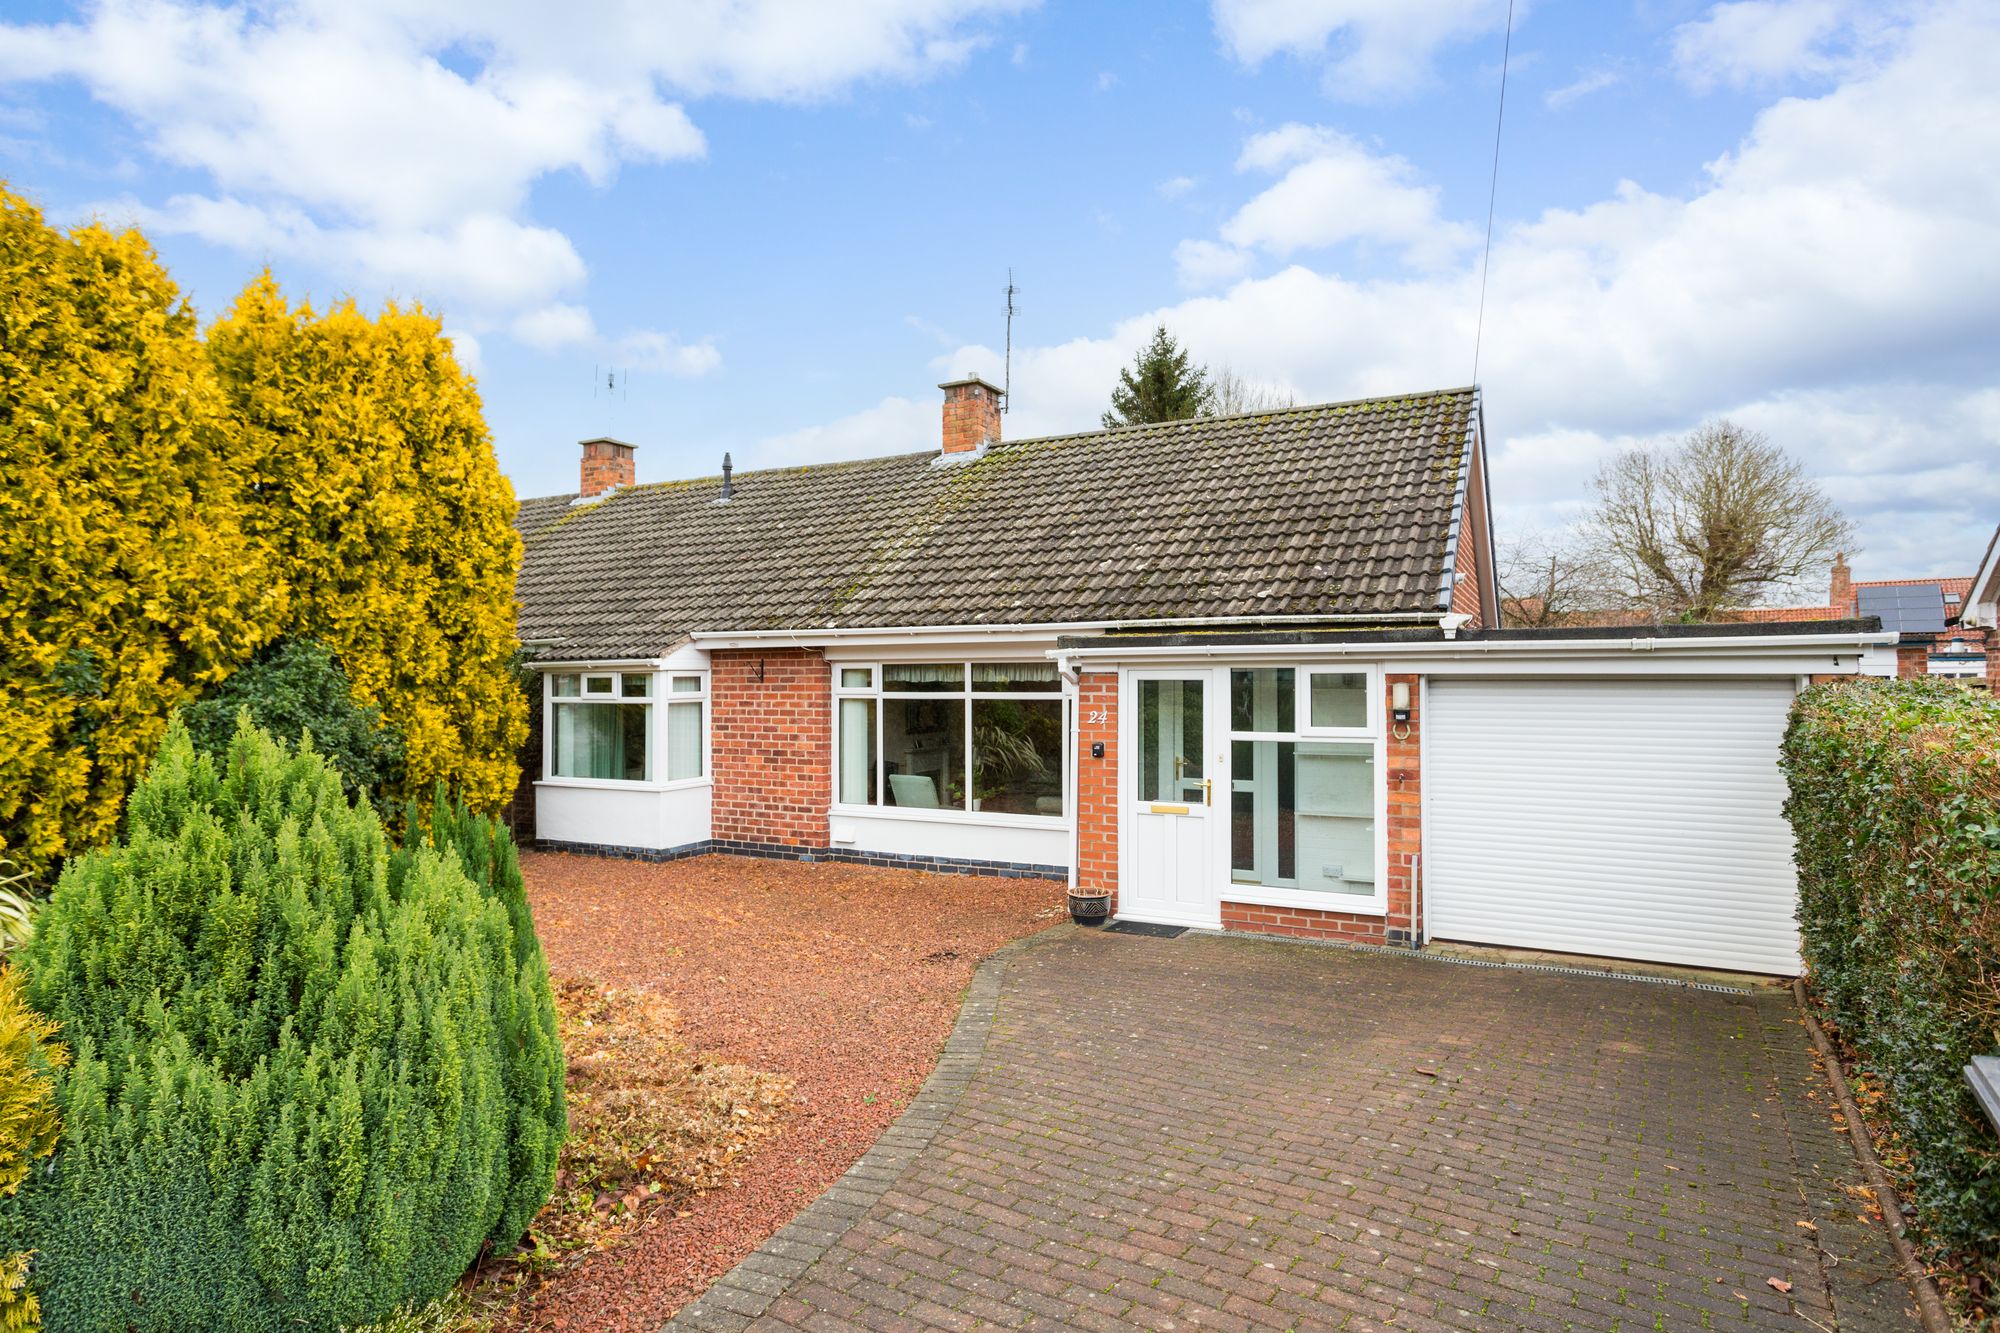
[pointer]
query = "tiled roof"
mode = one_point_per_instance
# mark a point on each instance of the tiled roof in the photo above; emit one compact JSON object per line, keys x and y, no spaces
{"x":1946,"y":586}
{"x":1334,"y":509}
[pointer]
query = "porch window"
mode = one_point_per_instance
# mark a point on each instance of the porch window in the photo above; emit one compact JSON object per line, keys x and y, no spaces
{"x":1303,"y":811}
{"x":977,"y":737}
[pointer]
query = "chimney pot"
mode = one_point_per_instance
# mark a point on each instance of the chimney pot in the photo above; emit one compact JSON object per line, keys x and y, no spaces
{"x":971,"y":415}
{"x":607,"y":465}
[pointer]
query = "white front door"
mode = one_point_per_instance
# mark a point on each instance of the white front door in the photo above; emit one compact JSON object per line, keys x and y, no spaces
{"x":1170,"y":874}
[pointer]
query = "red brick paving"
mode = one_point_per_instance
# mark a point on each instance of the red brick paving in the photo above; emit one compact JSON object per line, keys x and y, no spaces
{"x":1236,"y":1134}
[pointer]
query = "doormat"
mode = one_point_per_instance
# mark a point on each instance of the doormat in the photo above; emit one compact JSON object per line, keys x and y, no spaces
{"x":1145,"y":928}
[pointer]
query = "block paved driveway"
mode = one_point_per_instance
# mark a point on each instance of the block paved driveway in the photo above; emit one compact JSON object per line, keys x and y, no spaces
{"x":1211,"y":1132}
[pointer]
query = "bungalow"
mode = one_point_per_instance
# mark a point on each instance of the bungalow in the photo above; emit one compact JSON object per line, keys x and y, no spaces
{"x":1236,"y":672}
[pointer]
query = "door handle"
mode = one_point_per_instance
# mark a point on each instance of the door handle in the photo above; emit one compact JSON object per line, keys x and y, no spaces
{"x":1206,"y":785}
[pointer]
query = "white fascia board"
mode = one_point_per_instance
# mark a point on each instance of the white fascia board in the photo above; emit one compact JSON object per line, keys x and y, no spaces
{"x":1817,"y":654}
{"x":1983,"y":598}
{"x":602,"y":664}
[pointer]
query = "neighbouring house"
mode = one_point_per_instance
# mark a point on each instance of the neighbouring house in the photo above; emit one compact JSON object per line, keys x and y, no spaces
{"x":1943,"y":627}
{"x":1236,"y":672}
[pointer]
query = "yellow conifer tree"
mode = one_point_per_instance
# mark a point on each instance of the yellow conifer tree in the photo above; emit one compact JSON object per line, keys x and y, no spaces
{"x":380,"y":497}
{"x":128,"y":579}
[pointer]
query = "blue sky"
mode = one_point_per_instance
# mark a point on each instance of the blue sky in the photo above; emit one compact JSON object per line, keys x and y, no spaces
{"x":788,"y":223}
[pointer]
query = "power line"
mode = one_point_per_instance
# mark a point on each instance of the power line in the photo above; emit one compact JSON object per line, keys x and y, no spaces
{"x":1492,"y":191}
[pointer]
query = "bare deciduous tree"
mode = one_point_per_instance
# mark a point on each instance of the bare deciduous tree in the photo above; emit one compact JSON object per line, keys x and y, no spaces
{"x":1230,"y":393}
{"x":1722,"y":520}
{"x":1548,"y":580}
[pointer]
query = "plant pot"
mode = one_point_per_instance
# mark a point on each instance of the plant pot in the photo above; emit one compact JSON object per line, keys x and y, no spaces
{"x":1089,"y":909}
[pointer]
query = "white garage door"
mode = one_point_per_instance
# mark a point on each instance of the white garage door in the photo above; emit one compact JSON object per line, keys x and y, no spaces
{"x":1623,"y":818}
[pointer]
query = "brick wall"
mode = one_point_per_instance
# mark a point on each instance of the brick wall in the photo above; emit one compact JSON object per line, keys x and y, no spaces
{"x":771,"y":741}
{"x":1468,"y":588}
{"x":1097,"y":785}
{"x":1404,"y":774}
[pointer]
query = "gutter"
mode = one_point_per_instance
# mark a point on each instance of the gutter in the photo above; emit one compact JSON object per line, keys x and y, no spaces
{"x":1805,"y":643}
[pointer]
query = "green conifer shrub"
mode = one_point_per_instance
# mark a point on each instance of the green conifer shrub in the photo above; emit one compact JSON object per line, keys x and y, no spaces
{"x":313,"y":1074}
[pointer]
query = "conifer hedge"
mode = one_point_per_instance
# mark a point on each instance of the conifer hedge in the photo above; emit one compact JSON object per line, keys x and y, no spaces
{"x":1895,"y":804}
{"x":313,"y":1074}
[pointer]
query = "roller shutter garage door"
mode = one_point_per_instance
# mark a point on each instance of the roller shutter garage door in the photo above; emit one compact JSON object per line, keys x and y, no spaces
{"x":1622,"y":818}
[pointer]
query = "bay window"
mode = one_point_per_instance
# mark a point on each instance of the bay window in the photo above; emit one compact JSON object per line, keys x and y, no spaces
{"x":977,"y":737}
{"x":600,"y":726}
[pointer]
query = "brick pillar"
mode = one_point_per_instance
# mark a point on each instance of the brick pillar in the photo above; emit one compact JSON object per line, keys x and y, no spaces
{"x":1404,"y":774}
{"x":1097,"y":784}
{"x":771,"y":739}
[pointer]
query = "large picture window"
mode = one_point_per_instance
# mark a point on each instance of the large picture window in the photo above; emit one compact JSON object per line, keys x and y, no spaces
{"x":1302,"y":811}
{"x":978,"y":737}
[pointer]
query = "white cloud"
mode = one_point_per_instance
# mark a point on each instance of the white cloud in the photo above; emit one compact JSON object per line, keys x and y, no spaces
{"x":1106,"y":81}
{"x":1332,"y":190}
{"x":1177,"y":187}
{"x":555,"y":326}
{"x":652,"y":350}
{"x":400,"y":141}
{"x":1335,"y":190}
{"x":1203,"y":264}
{"x":892,"y":426}
{"x":1590,"y":81}
{"x":1378,"y":48}
{"x":1831,"y":281}
{"x":1753,"y":43}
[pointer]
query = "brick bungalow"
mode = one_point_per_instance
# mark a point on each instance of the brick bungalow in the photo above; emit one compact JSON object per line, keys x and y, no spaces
{"x":1236,"y":673}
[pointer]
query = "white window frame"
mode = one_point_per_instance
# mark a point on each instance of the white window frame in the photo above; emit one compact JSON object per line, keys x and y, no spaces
{"x":1371,"y":717}
{"x":874,"y":691}
{"x":1230,"y":890}
{"x":660,"y":695}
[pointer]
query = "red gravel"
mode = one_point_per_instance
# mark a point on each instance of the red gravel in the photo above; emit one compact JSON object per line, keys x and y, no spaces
{"x":846,"y":978}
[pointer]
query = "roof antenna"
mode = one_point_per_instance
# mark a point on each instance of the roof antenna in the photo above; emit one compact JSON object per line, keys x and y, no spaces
{"x":616,"y":382}
{"x":1007,"y":389}
{"x":728,"y":486}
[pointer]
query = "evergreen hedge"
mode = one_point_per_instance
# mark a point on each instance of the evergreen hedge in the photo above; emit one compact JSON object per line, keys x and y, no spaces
{"x":313,"y":1074}
{"x":296,"y":686}
{"x":1895,"y":804}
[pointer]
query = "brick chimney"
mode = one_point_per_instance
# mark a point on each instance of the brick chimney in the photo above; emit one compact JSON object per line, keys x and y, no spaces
{"x":971,"y":415}
{"x":1840,"y":595}
{"x":607,"y":465}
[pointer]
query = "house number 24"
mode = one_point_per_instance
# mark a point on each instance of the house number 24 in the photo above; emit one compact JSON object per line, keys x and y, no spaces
{"x":1097,"y":717}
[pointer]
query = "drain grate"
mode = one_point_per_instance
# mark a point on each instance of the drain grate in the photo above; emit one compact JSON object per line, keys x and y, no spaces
{"x":1146,"y":928}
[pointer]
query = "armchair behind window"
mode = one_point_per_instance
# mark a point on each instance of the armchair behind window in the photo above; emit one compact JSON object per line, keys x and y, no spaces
{"x":914,"y":790}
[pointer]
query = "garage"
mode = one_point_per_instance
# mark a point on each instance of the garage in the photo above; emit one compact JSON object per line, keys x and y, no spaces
{"x":1631,"y":818}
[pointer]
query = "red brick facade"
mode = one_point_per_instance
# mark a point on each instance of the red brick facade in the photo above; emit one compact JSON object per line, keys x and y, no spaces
{"x":771,"y":742}
{"x":1097,"y":784}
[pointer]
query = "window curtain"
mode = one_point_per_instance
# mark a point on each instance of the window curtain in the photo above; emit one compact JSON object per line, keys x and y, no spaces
{"x":1014,"y":676}
{"x":683,"y":741}
{"x":587,"y":742}
{"x":857,"y":751}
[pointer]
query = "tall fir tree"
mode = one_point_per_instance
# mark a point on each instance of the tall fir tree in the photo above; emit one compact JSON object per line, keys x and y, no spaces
{"x":386,"y":507}
{"x":1161,"y":385}
{"x":128,"y":580}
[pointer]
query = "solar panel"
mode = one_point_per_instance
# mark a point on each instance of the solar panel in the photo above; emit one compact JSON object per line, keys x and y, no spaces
{"x":1906,"y":608}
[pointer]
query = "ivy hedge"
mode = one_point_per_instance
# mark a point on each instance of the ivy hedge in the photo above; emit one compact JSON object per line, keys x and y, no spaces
{"x":1895,"y":804}
{"x":314,"y":1073}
